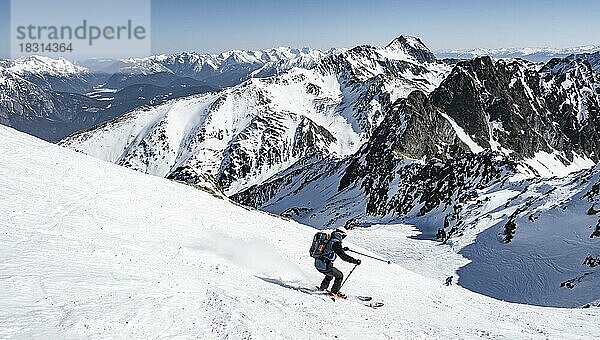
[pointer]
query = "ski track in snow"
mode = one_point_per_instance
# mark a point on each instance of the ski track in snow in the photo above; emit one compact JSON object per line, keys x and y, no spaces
{"x":90,"y":249}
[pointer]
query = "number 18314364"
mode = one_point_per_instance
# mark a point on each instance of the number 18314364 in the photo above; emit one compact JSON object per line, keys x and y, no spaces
{"x":46,"y":47}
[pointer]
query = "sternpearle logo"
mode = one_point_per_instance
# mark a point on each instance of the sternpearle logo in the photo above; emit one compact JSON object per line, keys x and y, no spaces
{"x":80,"y":29}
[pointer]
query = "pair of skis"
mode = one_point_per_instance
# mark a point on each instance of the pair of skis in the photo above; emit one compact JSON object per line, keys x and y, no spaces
{"x":365,"y":300}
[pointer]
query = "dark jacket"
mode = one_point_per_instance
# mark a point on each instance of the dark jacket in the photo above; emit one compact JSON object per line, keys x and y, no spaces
{"x":332,"y":250}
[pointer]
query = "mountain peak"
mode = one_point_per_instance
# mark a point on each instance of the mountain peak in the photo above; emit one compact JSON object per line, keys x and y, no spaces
{"x":411,"y":46}
{"x":404,"y":41}
{"x":37,"y":64}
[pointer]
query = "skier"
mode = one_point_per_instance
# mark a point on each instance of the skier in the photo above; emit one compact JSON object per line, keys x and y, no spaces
{"x":324,"y":264}
{"x":448,"y":281}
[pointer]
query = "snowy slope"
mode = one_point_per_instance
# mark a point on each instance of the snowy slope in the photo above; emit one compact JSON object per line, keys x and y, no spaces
{"x":519,"y":240}
{"x":530,"y":241}
{"x":90,"y":249}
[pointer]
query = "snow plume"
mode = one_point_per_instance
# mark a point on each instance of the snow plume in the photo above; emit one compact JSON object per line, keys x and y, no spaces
{"x":255,"y":255}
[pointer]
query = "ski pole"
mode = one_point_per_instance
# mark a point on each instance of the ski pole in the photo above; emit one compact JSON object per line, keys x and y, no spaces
{"x":347,"y":277}
{"x":378,"y":259}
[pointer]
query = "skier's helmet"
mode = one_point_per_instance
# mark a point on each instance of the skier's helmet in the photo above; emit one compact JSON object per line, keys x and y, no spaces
{"x":343,"y":231}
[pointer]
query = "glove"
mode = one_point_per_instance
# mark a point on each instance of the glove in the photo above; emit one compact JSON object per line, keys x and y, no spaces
{"x":346,"y":248}
{"x":357,"y":262}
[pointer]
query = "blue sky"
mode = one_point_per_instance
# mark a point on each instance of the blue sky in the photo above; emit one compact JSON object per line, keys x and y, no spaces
{"x":214,"y":26}
{"x":221,"y":25}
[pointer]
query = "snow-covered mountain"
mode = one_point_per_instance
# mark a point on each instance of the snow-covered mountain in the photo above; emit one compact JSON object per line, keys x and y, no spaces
{"x":30,"y":104}
{"x":43,"y":66}
{"x":245,"y":134}
{"x":48,"y":114}
{"x":592,"y":58}
{"x":532,"y":54}
{"x":90,"y":249}
{"x":545,"y":119}
{"x":60,"y":75}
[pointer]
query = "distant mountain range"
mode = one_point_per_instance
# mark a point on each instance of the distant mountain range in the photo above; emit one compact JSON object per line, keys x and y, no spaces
{"x":57,"y":97}
{"x":219,"y":70}
{"x":533,"y":54}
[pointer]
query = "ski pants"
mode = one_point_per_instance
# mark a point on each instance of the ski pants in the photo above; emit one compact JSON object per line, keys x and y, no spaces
{"x":330,"y":275}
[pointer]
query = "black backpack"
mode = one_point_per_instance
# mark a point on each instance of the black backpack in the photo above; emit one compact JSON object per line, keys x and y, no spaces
{"x":318,"y":244}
